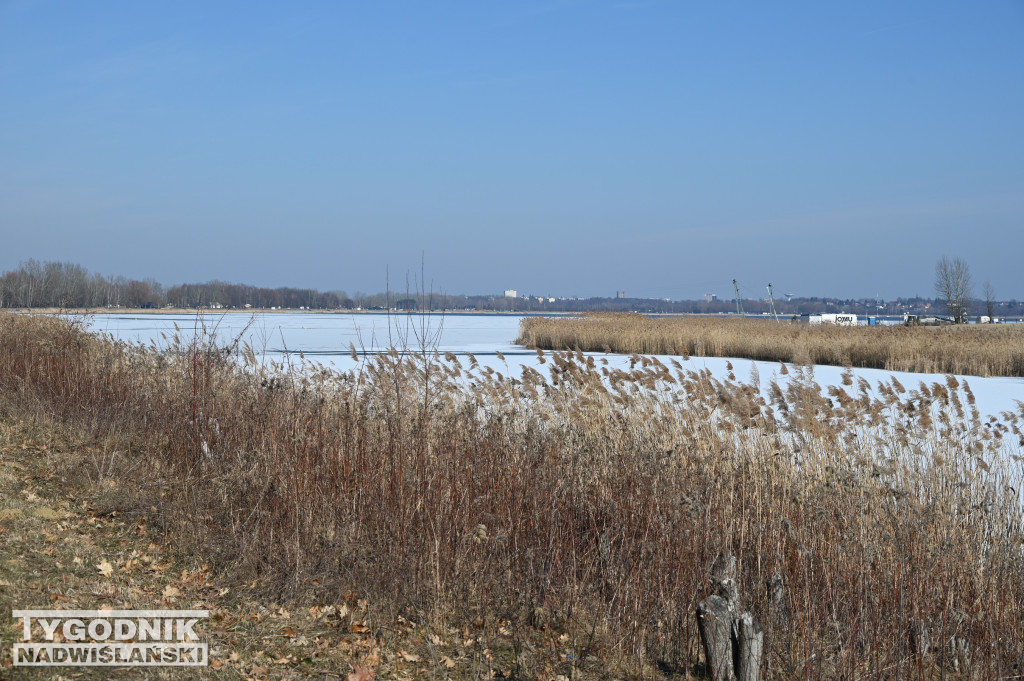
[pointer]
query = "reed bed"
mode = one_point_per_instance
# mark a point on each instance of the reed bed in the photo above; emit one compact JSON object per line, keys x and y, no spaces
{"x":584,"y":505}
{"x":975,"y":350}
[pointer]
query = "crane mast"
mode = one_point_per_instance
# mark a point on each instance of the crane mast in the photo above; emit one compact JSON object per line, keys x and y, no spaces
{"x":771,"y":299}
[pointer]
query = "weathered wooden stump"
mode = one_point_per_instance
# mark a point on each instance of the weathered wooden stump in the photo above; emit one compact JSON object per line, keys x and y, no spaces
{"x":748,"y":644}
{"x":714,"y":621}
{"x":733,"y":641}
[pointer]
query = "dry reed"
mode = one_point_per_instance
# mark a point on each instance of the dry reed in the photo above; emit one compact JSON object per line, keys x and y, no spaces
{"x":975,"y":350}
{"x":588,"y":501}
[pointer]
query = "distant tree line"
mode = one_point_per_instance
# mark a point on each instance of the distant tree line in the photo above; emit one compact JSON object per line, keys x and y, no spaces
{"x":64,"y":284}
{"x":223,"y":294}
{"x":68,"y":285}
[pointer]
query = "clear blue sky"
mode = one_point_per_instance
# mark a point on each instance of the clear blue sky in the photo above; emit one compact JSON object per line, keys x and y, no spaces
{"x":557,"y":147}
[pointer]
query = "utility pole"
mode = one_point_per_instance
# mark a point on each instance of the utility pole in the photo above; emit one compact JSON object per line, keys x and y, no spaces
{"x":739,"y":305}
{"x":771,"y":298}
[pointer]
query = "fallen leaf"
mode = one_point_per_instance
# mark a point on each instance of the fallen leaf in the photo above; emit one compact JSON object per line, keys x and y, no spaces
{"x":171,"y":591}
{"x":105,"y":568}
{"x":447,"y":662}
{"x":410,"y":657}
{"x":361,"y":674}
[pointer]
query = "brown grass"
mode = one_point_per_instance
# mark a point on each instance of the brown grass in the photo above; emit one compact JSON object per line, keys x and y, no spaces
{"x":581,"y":509}
{"x":975,"y":350}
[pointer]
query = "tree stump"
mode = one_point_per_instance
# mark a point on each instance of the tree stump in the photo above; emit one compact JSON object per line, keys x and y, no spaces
{"x":714,"y":621}
{"x":733,"y":641}
{"x":748,"y":642}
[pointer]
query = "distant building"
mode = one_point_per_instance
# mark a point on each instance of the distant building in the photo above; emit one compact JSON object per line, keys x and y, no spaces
{"x":710,"y":297}
{"x":511,"y":293}
{"x":620,"y":294}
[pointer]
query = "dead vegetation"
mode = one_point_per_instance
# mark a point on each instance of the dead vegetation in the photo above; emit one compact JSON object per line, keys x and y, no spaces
{"x":574,"y":515}
{"x":975,"y":350}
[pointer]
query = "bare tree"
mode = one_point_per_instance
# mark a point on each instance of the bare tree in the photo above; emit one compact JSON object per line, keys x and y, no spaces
{"x":989,"y":292}
{"x":953,"y":284}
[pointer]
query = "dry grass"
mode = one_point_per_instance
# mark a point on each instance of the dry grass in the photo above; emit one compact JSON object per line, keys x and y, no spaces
{"x":989,"y":350}
{"x":576,"y":514}
{"x":72,"y":538}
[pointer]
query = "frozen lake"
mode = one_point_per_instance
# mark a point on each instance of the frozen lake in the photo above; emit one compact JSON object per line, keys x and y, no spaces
{"x":327,"y":339}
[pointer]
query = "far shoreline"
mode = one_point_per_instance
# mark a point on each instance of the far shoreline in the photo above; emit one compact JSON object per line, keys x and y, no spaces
{"x":267,"y":310}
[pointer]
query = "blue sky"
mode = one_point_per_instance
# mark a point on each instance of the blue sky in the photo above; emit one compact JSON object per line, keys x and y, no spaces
{"x":566,"y":147}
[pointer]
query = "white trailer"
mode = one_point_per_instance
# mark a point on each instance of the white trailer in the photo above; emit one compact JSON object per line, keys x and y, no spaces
{"x":842,"y":319}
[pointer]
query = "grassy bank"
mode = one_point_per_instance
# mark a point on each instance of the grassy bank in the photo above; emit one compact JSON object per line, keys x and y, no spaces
{"x":989,"y":350}
{"x":565,"y":524}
